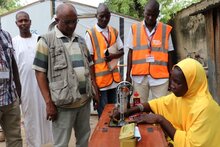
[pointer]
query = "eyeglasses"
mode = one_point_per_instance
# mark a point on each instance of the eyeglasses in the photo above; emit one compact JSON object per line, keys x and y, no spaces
{"x":69,"y":22}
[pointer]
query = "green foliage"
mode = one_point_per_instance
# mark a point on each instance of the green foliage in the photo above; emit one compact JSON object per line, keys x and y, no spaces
{"x":8,"y":5}
{"x":135,"y":8}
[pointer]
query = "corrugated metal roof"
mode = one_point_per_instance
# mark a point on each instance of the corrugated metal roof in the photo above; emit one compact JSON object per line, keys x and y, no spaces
{"x":199,"y":7}
{"x":205,"y":6}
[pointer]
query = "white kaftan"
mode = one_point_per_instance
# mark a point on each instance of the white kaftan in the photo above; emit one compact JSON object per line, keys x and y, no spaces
{"x":38,"y":130}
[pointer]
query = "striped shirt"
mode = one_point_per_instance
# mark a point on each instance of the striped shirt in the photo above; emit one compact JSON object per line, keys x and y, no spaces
{"x":75,"y":55}
{"x":8,"y":92}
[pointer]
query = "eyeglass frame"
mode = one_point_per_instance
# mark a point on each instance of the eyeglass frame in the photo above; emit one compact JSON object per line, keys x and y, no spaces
{"x":68,"y":22}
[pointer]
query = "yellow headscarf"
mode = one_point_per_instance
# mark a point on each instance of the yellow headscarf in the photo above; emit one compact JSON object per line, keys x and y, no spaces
{"x":195,"y":77}
{"x":196,"y":116}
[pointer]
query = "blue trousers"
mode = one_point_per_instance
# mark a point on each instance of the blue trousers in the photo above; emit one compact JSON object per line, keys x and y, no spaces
{"x":107,"y":97}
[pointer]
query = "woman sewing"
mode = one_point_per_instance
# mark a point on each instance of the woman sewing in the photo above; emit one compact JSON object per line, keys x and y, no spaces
{"x":189,"y":115}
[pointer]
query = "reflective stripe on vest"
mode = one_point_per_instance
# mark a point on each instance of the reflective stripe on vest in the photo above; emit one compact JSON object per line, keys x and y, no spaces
{"x":104,"y":77}
{"x":159,"y":49}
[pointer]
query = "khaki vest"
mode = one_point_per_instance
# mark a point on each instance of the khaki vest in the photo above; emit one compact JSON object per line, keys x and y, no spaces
{"x":63,"y":82}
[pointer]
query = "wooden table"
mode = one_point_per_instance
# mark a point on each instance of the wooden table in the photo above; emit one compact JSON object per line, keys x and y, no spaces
{"x":105,"y":136}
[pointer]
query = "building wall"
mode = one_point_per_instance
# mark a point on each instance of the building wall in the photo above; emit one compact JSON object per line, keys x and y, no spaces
{"x":198,"y":36}
{"x":190,"y":37}
{"x":40,"y":14}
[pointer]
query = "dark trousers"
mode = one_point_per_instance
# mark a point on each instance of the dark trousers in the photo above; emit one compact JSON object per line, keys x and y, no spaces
{"x":107,"y":97}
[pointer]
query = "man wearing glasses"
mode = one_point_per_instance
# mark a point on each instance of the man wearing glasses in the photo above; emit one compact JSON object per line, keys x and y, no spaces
{"x":62,"y":64}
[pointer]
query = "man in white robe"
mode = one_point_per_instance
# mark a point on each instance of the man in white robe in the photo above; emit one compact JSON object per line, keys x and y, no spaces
{"x":38,"y":130}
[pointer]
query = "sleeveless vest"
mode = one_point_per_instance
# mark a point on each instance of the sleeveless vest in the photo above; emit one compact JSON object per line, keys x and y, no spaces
{"x":104,"y":77}
{"x":63,"y":82}
{"x":158,"y":49}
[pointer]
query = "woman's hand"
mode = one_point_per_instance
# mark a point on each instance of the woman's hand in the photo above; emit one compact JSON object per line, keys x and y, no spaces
{"x":115,"y":115}
{"x":150,"y":118}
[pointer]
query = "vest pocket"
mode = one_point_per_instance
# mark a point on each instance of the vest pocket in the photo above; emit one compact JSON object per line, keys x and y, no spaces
{"x":60,"y":93}
{"x":58,"y":58}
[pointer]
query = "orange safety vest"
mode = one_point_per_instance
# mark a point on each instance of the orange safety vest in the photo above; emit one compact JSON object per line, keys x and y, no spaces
{"x":158,"y":48}
{"x":104,"y":77}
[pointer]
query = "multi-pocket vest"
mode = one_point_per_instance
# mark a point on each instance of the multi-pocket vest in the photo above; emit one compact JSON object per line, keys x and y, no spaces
{"x":63,"y":82}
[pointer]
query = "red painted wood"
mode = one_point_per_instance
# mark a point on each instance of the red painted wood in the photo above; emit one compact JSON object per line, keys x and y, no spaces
{"x":105,"y":136}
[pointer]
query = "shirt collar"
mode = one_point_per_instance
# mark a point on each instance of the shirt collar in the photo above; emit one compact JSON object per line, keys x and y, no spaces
{"x":154,"y":29}
{"x":59,"y":34}
{"x":100,"y":29}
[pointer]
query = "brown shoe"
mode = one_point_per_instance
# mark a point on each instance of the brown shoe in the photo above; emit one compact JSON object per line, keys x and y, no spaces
{"x":2,"y":137}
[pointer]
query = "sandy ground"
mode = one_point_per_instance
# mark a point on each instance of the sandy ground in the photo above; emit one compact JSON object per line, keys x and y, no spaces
{"x":93,"y":122}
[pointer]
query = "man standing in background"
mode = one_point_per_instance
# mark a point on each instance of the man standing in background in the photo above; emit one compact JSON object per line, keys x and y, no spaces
{"x":149,"y":57}
{"x":38,"y":130}
{"x":10,"y":92}
{"x":99,"y":40}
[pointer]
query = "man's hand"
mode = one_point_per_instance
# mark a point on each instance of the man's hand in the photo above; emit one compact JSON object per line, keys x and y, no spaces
{"x":44,"y":88}
{"x":95,"y":105}
{"x":97,"y":96}
{"x":51,"y":111}
{"x":109,"y":57}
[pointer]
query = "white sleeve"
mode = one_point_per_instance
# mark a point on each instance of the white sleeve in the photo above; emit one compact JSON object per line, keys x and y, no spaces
{"x":89,"y":43}
{"x":170,"y":47}
{"x":129,"y":43}
{"x":119,"y":43}
{"x":16,"y":51}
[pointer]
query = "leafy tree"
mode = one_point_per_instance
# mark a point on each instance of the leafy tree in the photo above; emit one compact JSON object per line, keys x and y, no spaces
{"x":135,"y":8}
{"x":7,"y":5}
